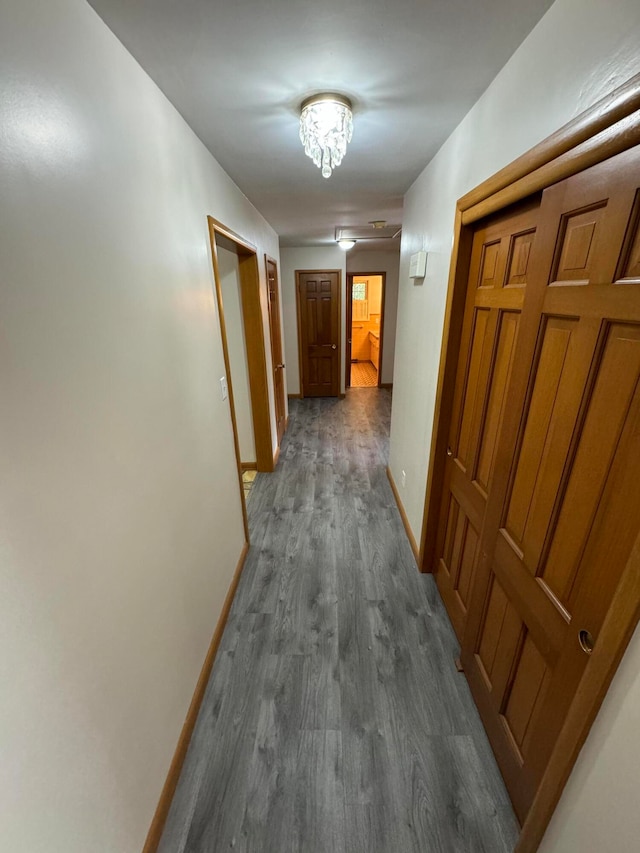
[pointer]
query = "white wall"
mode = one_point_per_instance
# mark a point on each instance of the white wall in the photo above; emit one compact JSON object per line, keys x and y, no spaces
{"x":307,"y":258}
{"x":229,"y":270}
{"x":578,"y":52}
{"x":119,"y":506}
{"x":388,"y":262}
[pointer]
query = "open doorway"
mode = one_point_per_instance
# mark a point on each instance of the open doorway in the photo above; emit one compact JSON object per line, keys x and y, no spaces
{"x":365,"y":329}
{"x":276,"y":345}
{"x":237,"y":284}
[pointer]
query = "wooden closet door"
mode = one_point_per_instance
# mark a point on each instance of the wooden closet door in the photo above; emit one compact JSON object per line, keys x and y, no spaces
{"x":496,"y":290}
{"x":564,"y":508}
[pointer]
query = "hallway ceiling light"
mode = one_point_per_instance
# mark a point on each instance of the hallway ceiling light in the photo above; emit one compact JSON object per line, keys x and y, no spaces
{"x":346,"y":244}
{"x":326,"y":127}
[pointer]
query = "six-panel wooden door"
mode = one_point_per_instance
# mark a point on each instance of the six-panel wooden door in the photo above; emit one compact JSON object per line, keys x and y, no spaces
{"x":497,"y":284}
{"x":319,"y":332}
{"x":562,"y":505}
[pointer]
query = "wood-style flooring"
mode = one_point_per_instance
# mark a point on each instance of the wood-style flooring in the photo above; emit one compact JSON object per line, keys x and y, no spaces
{"x":335,"y":720}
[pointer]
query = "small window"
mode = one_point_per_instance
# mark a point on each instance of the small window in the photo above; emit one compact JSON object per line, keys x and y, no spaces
{"x":359,"y":290}
{"x":359,"y":303}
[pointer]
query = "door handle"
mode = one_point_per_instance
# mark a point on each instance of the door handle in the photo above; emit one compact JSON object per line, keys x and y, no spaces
{"x":281,"y":366}
{"x":449,"y":451}
{"x":585,"y":638}
{"x":333,"y":346}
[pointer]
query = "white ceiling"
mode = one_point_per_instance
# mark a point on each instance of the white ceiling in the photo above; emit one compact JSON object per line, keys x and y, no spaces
{"x":237,"y":71}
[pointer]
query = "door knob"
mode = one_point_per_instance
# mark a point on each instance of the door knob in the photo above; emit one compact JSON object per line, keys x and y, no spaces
{"x":281,"y":366}
{"x":333,"y":346}
{"x":449,"y":451}
{"x":585,"y":638}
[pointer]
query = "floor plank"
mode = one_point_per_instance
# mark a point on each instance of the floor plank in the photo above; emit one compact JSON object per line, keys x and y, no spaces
{"x":334,"y":719}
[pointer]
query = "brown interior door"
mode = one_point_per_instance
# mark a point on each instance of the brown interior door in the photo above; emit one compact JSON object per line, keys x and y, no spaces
{"x":276,"y":346}
{"x":319,"y":327}
{"x":563,"y":505}
{"x":496,"y":290}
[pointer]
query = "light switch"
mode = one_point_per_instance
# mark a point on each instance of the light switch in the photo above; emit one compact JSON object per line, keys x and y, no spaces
{"x":223,"y":387}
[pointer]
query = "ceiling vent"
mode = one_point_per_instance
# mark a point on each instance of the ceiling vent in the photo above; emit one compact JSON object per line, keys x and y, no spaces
{"x":360,"y":233}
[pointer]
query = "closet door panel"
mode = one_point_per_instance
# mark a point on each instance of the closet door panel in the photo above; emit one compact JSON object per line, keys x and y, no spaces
{"x":563,"y":508}
{"x":497,"y":285}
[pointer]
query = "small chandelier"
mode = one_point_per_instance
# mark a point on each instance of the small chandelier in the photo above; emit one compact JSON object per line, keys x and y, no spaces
{"x":326,"y":126}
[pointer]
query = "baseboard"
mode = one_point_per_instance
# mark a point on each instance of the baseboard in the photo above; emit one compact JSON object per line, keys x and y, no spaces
{"x":405,"y":520}
{"x":294,"y":396}
{"x":164,"y":803}
{"x":276,"y":455}
{"x":388,"y":386}
{"x":249,"y":466}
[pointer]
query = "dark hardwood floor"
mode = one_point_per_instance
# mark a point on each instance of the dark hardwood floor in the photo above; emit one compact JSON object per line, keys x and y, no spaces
{"x":335,"y":720}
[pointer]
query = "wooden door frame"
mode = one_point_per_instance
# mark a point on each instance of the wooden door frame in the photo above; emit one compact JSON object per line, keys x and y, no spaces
{"x":298,"y":318}
{"x":609,"y":127}
{"x":269,"y":260}
{"x":348,"y":323}
{"x":249,"y":274}
{"x":349,"y":306}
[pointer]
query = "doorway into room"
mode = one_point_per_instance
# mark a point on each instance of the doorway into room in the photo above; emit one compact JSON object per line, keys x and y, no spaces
{"x":237,"y":288}
{"x":365,"y":329}
{"x":276,"y":344}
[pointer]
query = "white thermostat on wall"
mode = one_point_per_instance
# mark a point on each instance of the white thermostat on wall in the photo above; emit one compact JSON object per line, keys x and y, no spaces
{"x":418,"y":265}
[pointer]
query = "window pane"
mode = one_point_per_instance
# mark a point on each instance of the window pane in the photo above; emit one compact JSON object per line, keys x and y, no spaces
{"x":360,"y":290}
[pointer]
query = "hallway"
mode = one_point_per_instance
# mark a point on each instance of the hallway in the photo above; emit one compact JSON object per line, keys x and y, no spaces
{"x":334,"y":719}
